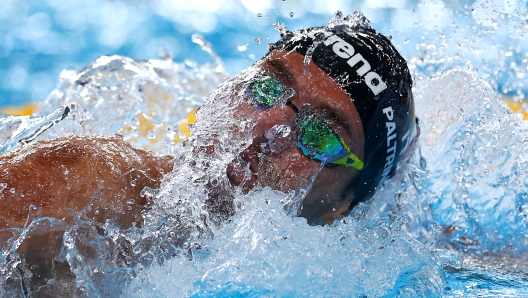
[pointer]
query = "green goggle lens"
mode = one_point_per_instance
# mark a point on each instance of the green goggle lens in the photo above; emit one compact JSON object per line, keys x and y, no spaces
{"x":265,"y":90}
{"x":316,"y":139}
{"x":319,"y":141}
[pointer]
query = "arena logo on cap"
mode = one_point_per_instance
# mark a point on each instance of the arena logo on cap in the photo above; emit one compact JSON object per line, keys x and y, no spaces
{"x":345,"y":50}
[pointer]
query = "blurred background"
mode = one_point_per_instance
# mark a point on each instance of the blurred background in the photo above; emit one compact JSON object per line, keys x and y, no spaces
{"x":40,"y":38}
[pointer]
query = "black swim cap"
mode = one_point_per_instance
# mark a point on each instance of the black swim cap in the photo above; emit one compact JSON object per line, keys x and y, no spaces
{"x":375,"y":76}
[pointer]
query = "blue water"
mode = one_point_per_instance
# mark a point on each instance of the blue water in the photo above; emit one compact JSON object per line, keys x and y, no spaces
{"x":469,"y":175}
{"x":39,"y":39}
{"x":482,"y":283}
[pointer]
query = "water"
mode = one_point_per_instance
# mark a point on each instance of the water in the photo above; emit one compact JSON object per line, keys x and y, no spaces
{"x":42,"y":38}
{"x":451,"y":223}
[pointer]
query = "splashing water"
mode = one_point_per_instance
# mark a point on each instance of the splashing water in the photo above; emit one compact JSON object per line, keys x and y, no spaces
{"x":348,"y":24}
{"x":24,"y":129}
{"x":279,"y":26}
{"x":280,"y":131}
{"x":456,"y":210}
{"x":286,"y":95}
{"x":144,"y":96}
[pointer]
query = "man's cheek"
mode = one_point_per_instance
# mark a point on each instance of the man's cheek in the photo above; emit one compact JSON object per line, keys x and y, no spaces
{"x":289,"y":171}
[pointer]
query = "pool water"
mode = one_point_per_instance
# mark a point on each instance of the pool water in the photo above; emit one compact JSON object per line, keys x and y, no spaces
{"x":451,"y":223}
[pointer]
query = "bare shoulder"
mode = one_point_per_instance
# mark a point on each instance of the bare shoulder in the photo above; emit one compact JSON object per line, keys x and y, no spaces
{"x":61,"y":177}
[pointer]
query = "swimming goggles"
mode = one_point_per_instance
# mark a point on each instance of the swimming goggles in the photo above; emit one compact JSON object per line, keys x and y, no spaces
{"x":315,"y":137}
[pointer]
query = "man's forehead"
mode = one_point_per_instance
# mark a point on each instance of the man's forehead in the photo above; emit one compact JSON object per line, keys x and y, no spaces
{"x":292,"y":69}
{"x":318,"y":89}
{"x":281,"y":67}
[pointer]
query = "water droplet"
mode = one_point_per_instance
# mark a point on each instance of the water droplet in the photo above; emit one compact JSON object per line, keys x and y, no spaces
{"x":292,"y":14}
{"x":406,"y":41}
{"x":206,"y":47}
{"x":133,"y":182}
{"x":308,"y":57}
{"x":165,"y":54}
{"x":286,"y":94}
{"x":258,"y":40}
{"x":12,"y":190}
{"x":214,"y":182}
{"x":277,"y":131}
{"x":151,"y":135}
{"x":242,"y":47}
{"x":279,"y":26}
{"x":259,"y":15}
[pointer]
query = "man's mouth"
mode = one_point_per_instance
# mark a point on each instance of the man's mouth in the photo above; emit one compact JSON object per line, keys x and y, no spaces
{"x":243,"y":171}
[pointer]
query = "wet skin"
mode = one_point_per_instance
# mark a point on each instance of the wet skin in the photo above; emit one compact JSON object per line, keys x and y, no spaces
{"x":62,"y":177}
{"x":288,"y":168}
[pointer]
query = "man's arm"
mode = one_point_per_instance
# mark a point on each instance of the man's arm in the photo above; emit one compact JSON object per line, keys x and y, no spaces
{"x":64,"y":176}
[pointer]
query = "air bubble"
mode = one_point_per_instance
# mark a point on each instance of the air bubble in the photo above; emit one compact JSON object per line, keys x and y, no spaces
{"x":292,"y":14}
{"x":258,"y":40}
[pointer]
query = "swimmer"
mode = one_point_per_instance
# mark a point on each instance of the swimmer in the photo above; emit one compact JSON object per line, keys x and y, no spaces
{"x":352,"y":119}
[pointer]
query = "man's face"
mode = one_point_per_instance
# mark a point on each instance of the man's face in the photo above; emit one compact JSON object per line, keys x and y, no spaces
{"x":273,"y":159}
